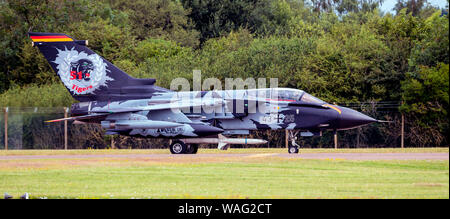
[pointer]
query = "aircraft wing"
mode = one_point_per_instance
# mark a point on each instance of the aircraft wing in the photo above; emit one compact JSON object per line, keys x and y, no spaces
{"x":90,"y":116}
{"x":175,"y":106}
{"x":179,"y":104}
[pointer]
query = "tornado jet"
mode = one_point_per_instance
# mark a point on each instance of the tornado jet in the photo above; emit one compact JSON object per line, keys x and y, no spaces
{"x":124,"y":105}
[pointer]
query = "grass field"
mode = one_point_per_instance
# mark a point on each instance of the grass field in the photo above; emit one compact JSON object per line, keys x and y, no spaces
{"x":230,"y":151}
{"x":223,"y":177}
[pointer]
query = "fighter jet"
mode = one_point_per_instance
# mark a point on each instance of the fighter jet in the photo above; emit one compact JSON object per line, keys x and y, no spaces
{"x":129,"y":106}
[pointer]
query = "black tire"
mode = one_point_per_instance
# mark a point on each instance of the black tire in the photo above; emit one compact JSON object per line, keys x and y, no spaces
{"x":192,"y":149}
{"x":293,"y":150}
{"x":178,"y":147}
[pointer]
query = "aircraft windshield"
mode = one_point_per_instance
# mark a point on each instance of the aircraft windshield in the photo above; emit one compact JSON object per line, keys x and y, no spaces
{"x":310,"y":99}
{"x":293,"y":95}
{"x":279,"y":94}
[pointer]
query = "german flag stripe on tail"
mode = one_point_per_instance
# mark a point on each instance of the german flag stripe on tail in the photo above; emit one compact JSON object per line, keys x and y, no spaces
{"x":54,"y":38}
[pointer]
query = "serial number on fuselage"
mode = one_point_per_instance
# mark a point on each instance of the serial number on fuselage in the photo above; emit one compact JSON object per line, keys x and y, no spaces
{"x":269,"y":119}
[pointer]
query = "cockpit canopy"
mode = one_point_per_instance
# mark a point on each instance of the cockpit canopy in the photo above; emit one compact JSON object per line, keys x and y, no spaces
{"x":288,"y":94}
{"x":308,"y":98}
{"x":285,"y":94}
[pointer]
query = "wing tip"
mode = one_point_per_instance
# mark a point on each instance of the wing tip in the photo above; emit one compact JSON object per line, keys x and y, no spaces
{"x":49,"y":121}
{"x":57,"y":120}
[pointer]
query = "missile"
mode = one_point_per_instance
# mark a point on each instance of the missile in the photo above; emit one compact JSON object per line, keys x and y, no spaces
{"x":222,"y":141}
{"x":243,"y":141}
{"x":139,"y":124}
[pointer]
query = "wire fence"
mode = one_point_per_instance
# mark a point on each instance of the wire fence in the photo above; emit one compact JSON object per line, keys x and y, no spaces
{"x":25,"y":129}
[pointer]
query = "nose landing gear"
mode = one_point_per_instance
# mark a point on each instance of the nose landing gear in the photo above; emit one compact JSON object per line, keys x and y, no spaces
{"x":293,"y":146}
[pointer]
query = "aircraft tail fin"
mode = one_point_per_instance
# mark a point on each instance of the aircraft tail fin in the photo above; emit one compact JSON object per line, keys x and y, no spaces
{"x":85,"y":74}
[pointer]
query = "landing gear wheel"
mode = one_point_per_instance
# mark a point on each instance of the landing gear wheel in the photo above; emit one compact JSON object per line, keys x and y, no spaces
{"x":178,"y":147}
{"x":293,"y":150}
{"x":192,"y":149}
{"x":293,"y":146}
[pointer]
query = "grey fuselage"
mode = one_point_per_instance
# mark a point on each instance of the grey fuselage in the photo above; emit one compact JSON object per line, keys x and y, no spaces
{"x":226,"y":112}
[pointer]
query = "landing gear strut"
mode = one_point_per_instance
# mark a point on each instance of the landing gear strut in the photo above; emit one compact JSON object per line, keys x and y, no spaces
{"x":293,"y":146}
{"x":179,"y":147}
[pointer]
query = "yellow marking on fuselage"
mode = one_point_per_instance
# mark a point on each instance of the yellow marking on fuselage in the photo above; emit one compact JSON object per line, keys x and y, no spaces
{"x":333,"y":107}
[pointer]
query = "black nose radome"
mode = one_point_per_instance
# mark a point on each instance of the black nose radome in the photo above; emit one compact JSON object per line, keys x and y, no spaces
{"x":351,"y":119}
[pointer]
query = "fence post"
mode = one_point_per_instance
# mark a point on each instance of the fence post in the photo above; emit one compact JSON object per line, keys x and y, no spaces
{"x":65,"y":127}
{"x":335,"y":140}
{"x":402,"y":140}
{"x":357,"y":137}
{"x":335,"y":135}
{"x":6,"y":128}
{"x":286,"y":138}
{"x":112,"y":142}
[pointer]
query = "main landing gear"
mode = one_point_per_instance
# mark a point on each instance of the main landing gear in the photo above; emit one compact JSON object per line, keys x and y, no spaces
{"x":293,"y":146}
{"x":179,"y":147}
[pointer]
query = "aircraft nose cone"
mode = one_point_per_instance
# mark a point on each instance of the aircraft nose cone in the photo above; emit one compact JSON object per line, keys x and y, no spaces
{"x":350,"y":119}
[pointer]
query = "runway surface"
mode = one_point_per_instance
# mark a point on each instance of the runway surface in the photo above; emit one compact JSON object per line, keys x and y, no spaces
{"x":323,"y":156}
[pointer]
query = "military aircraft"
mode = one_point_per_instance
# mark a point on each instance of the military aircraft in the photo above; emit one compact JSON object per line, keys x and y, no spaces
{"x":129,"y":106}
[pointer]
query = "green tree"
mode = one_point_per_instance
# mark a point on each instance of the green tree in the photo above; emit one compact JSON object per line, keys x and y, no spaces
{"x":432,"y":45}
{"x":426,"y":100}
{"x":415,"y":7}
{"x":214,"y":18}
{"x":20,"y":63}
{"x":345,"y":6}
{"x":159,"y":19}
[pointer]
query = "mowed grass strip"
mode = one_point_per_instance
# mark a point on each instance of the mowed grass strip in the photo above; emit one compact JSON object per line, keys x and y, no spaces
{"x":259,"y":177}
{"x":229,"y":151}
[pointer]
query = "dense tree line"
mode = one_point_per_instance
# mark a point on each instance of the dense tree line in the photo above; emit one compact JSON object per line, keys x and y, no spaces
{"x":339,"y":50}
